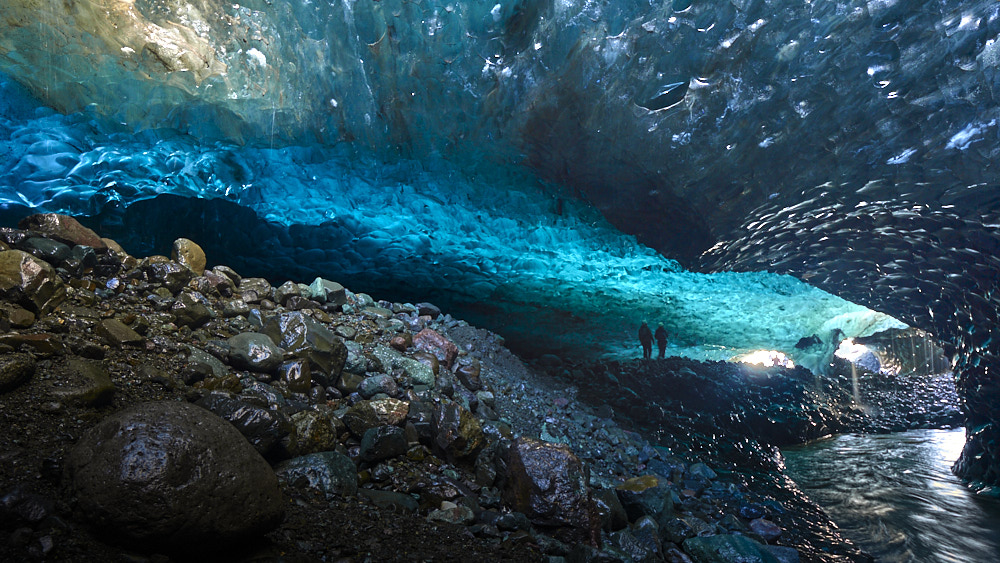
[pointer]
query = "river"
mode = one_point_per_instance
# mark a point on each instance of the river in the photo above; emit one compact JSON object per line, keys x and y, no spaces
{"x":895,"y":495}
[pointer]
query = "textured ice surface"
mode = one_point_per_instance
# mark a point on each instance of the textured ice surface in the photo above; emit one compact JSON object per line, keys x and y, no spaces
{"x":539,"y":268}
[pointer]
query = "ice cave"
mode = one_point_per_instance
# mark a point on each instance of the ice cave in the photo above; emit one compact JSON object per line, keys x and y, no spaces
{"x":749,"y":173}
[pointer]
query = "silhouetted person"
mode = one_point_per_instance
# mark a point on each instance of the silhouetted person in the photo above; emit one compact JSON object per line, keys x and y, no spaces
{"x":646,"y":339}
{"x":661,"y":340}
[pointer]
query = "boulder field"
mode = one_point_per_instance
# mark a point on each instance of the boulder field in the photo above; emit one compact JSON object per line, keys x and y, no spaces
{"x":158,"y":409}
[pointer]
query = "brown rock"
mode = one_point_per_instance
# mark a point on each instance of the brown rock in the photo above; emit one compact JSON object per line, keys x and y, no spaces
{"x":370,"y":414}
{"x":117,"y":333}
{"x":62,"y":228}
{"x":17,"y":316}
{"x":30,"y":282}
{"x":85,"y":382}
{"x":435,"y":343}
{"x":458,"y":432}
{"x":188,"y":253}
{"x":15,"y":369}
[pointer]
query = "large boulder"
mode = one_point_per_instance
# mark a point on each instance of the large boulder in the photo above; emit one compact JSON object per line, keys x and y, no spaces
{"x":549,"y":484}
{"x":30,"y":282}
{"x":62,"y":228}
{"x":172,"y":475}
{"x":305,"y":338}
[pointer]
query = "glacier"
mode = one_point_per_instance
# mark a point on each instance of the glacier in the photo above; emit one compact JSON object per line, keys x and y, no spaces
{"x":526,"y":158}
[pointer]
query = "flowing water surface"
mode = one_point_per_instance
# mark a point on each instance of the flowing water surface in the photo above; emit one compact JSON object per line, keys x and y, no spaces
{"x":895,"y":495}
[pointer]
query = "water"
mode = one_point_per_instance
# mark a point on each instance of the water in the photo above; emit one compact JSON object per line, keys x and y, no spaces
{"x":895,"y":495}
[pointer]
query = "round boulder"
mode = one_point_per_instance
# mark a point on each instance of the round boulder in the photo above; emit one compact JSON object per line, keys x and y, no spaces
{"x":173,"y":474}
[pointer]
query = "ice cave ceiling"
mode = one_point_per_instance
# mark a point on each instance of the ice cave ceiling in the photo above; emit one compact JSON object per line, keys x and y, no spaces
{"x":851,"y":144}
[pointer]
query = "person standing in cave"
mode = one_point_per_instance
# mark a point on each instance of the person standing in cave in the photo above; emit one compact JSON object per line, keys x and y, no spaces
{"x":646,"y":339}
{"x":661,"y":340}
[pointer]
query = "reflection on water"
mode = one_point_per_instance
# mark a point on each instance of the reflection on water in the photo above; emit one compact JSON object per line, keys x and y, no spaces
{"x":895,"y":495}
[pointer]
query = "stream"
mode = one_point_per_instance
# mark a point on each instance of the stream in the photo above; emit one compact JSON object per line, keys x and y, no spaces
{"x":895,"y":495}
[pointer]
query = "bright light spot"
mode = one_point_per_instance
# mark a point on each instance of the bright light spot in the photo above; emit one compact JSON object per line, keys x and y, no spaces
{"x":850,"y":351}
{"x":766,"y":358}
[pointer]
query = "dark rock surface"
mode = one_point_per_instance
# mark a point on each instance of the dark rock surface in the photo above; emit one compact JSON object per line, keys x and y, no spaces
{"x":173,"y":475}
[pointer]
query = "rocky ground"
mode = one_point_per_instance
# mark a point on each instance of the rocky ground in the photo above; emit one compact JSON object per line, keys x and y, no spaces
{"x":155,"y":410}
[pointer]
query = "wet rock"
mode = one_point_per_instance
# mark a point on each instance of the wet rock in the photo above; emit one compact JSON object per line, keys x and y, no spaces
{"x":784,"y":554}
{"x":191,"y":309}
{"x":43,"y":344}
{"x":328,"y":292}
{"x":549,"y":484}
{"x":435,"y":343}
{"x":235,"y":308}
{"x":451,"y":513}
{"x":468,"y":371}
{"x":15,"y":369}
{"x":170,"y":274}
{"x":766,"y":529}
{"x":390,"y":500}
{"x":18,"y":317}
{"x":316,"y":431}
{"x":62,"y":228}
{"x":304,"y":338}
{"x":379,"y":383}
{"x":85,"y":382}
{"x":648,"y":495}
{"x":254,"y":352}
{"x":370,"y":414}
{"x":20,"y":505}
{"x":677,"y":530}
{"x":30,"y":282}
{"x":188,"y":254}
{"x":349,"y":382}
{"x":286,"y":291}
{"x":382,"y":442}
{"x":117,"y":333}
{"x":297,"y":375}
{"x":419,"y":372}
{"x":625,"y":542}
{"x":270,"y":432}
{"x":701,"y":471}
{"x":173,"y":475}
{"x":330,"y":473}
{"x":457,"y":431}
{"x":727,"y":549}
{"x":49,"y":250}
{"x":609,"y":509}
{"x":255,"y":290}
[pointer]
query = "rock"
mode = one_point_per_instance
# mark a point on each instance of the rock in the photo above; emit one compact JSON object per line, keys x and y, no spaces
{"x":727,"y":549}
{"x":457,"y":432}
{"x":15,"y":369}
{"x":419,"y":372}
{"x":701,"y":471}
{"x":330,"y":473}
{"x":117,"y":333}
{"x":254,"y":290}
{"x":610,"y":509}
{"x":171,"y":474}
{"x":190,"y":255}
{"x":625,"y":542}
{"x":648,"y":495}
{"x":285,"y":291}
{"x":43,"y":344}
{"x":304,"y":338}
{"x":390,"y":500}
{"x":349,"y":382}
{"x":86,"y":383}
{"x":199,"y":356}
{"x":382,"y":442}
{"x":191,"y":309}
{"x":62,"y":228}
{"x":370,"y":414}
{"x":429,"y":310}
{"x":297,"y":375}
{"x":235,"y":308}
{"x":766,"y":529}
{"x":316,"y":432}
{"x":30,"y":282}
{"x":329,"y":292}
{"x":549,"y":484}
{"x":49,"y":250}
{"x":254,"y":352}
{"x":468,"y":373}
{"x":433,"y":342}
{"x":270,"y":432}
{"x":170,"y":274}
{"x":18,"y":317}
{"x":452,"y":513}
{"x":379,"y":383}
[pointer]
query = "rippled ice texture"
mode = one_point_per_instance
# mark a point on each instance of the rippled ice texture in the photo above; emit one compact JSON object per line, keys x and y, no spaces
{"x":537,"y":267}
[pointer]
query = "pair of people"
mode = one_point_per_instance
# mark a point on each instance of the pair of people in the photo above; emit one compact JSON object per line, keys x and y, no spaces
{"x":646,"y":339}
